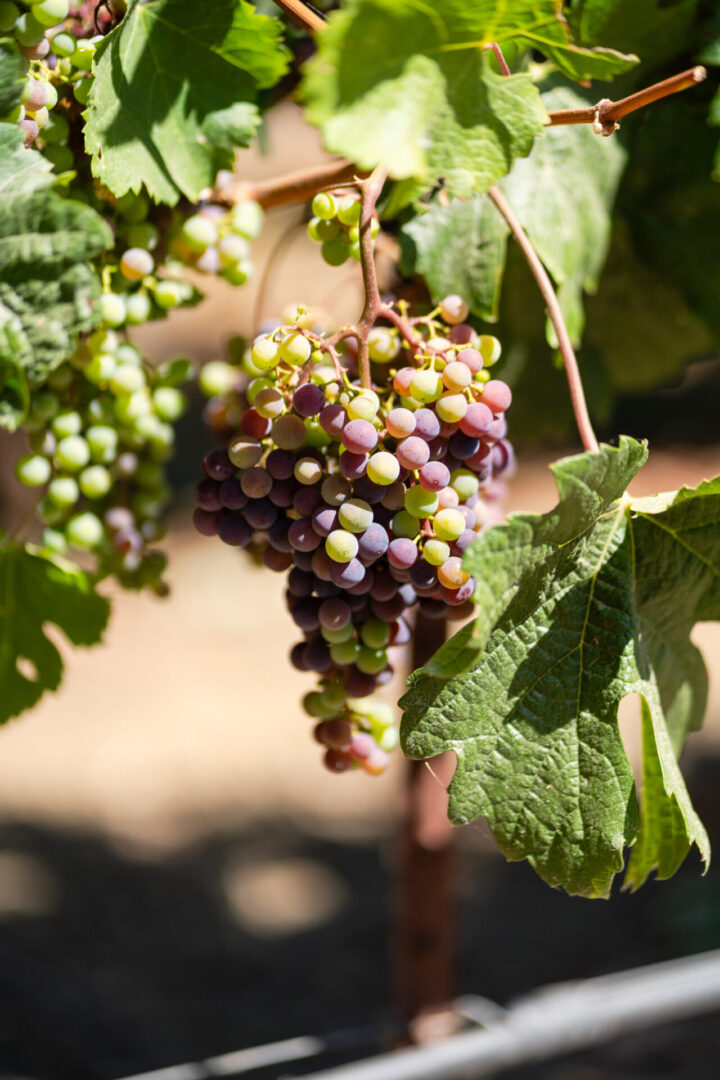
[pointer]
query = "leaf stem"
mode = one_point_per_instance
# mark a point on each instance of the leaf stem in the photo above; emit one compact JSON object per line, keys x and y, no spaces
{"x":502,"y":62}
{"x":293,"y":187}
{"x":572,"y":372}
{"x":302,"y":14}
{"x":606,"y":113}
{"x":373,"y":306}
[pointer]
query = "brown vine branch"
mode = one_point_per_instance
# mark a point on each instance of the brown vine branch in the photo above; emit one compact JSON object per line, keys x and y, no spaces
{"x":606,"y":113}
{"x":302,"y":14}
{"x":371,"y":188}
{"x":572,"y":372}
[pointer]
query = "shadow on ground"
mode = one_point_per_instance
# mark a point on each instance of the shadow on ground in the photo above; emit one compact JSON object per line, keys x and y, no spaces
{"x":112,"y":962}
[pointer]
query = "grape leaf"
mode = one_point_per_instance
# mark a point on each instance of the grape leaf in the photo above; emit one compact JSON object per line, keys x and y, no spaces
{"x":35,"y":590}
{"x":656,"y":29}
{"x":174,"y":94}
{"x":21,"y":170}
{"x":47,"y":288}
{"x":576,"y":609}
{"x":12,"y":69}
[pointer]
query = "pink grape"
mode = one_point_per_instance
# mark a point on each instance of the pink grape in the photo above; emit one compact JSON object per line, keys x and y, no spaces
{"x":412,"y":453}
{"x":359,"y":437}
{"x":497,"y":395}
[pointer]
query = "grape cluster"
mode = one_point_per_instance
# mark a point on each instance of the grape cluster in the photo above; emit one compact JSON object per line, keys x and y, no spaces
{"x":366,"y":497}
{"x":100,"y":432}
{"x":335,"y":225}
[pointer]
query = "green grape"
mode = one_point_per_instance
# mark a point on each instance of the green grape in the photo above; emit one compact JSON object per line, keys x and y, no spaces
{"x":356,"y":251}
{"x":72,"y":453}
{"x":84,"y":53}
{"x":270,"y":403}
{"x":112,"y":309}
{"x":9,"y":14}
{"x":341,"y":546}
{"x":61,"y":157}
{"x":48,"y":512}
{"x":51,"y":100}
{"x":41,"y":116}
{"x":51,"y":12}
{"x":405,"y":524}
{"x":138,"y":307}
{"x":261,"y":383}
{"x":128,"y":354}
{"x":136,"y":263}
{"x":335,"y":252}
{"x":316,"y":706}
{"x":383,"y":468}
{"x":451,"y":407}
{"x":363,"y":407}
{"x":375,"y":633}
{"x":464,"y":482}
{"x":151,"y":475}
{"x":143,"y":235}
{"x":169,"y":403}
{"x":489,"y":348}
{"x":133,"y":208}
{"x":419,"y":502}
{"x":436,"y":552}
{"x":44,"y":406}
{"x":64,"y":44}
{"x":17,"y":114}
{"x":53,"y":540}
{"x":355,"y":515}
{"x":147,"y":504}
{"x":238,"y":273}
{"x":345,"y":652}
{"x":336,"y":637}
{"x":28,"y":31}
{"x":389,"y":739}
{"x":199,"y":232}
{"x":333,"y":697}
{"x":324,"y":206}
{"x":170,"y":294}
{"x":100,"y":369}
{"x":85,"y":530}
{"x":348,"y":210}
{"x":218,"y":378}
{"x":95,"y":482}
{"x":67,"y":423}
{"x":246,"y":219}
{"x":103,"y":341}
{"x":82,"y":89}
{"x":57,"y":128}
{"x":103,"y":443}
{"x":315,"y":435}
{"x":61,"y":378}
{"x":426,"y":386}
{"x":127,"y":379}
{"x":320,"y":231}
{"x":265,"y":354}
{"x":130,"y":407}
{"x":448,"y":524}
{"x":33,"y":470}
{"x":376,"y":712}
{"x":63,"y":491}
{"x":383,"y":345}
{"x":295,"y":349}
{"x":308,"y":471}
{"x":233,"y":249}
{"x":371,"y":661}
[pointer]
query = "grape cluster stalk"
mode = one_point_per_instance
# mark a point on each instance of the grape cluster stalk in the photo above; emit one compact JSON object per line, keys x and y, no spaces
{"x":364,"y":496}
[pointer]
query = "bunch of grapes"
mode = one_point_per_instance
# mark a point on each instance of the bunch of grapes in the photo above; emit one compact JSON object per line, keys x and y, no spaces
{"x":335,"y":225}
{"x":30,"y":26}
{"x":100,"y":432}
{"x":366,"y":497}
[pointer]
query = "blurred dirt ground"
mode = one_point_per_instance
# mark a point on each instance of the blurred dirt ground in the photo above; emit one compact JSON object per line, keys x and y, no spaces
{"x":179,"y":877}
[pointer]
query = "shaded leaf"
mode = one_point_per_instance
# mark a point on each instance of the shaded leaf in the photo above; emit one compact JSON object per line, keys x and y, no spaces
{"x":12,"y":70}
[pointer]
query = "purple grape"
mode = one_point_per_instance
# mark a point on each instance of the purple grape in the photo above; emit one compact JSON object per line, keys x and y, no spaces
{"x":427,"y":424}
{"x":233,"y":529}
{"x":358,"y":684}
{"x":304,"y":611}
{"x":282,"y":493}
{"x":206,"y":521}
{"x":334,"y":614}
{"x":302,"y":536}
{"x":256,"y":482}
{"x":373,"y":542}
{"x":434,"y":476}
{"x":423,"y":575}
{"x":333,"y":419}
{"x":217,"y":465}
{"x":347,"y":574}
{"x":438,"y":449}
{"x":462,"y":334}
{"x":502,"y":457}
{"x":477,"y":421}
{"x":384,"y":586}
{"x":306,"y":500}
{"x":359,"y":437}
{"x":433,"y":609}
{"x":303,"y":559}
{"x":463,"y":446}
{"x":231,"y":495}
{"x":476,"y":461}
{"x":297,"y":656}
{"x":468,"y":515}
{"x":385,"y":676}
{"x":367,"y":490}
{"x":207,"y":495}
{"x":280,"y":464}
{"x":498,"y":430}
{"x":363,"y":587}
{"x":388,"y":609}
{"x":324,"y":520}
{"x":463,"y":542}
{"x":276,"y":560}
{"x":413,"y":452}
{"x":325,"y":589}
{"x":260,"y":513}
{"x":317,"y":656}
{"x":353,"y":466}
{"x":360,"y":607}
{"x":308,"y":399}
{"x":278,"y":535}
{"x":402,"y":553}
{"x":300,"y":582}
{"x":322,"y":564}
{"x":255,"y":425}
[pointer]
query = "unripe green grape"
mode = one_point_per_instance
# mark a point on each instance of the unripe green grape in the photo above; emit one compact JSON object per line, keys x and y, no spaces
{"x":295,"y":349}
{"x":265,"y":354}
{"x":383,"y":468}
{"x":436,"y":552}
{"x":162,"y":440}
{"x":112,"y":309}
{"x":105,"y":341}
{"x":341,"y":546}
{"x":133,"y":207}
{"x":246,"y":219}
{"x":41,"y":116}
{"x":169,"y":403}
{"x":85,"y":530}
{"x":448,"y":524}
{"x":99,"y":411}
{"x":100,"y":369}
{"x":42,"y":442}
{"x":60,"y":157}
{"x":67,"y":423}
{"x":348,"y":210}
{"x":44,"y":406}
{"x":324,"y":206}
{"x":238,"y":273}
{"x":355,"y":515}
{"x":451,"y":407}
{"x":95,"y":482}
{"x":127,"y":379}
{"x":315,"y":435}
{"x":130,"y":407}
{"x":426,"y":385}
{"x":84,"y":53}
{"x":335,"y":637}
{"x":247,"y":366}
{"x":147,"y":504}
{"x":489,"y":348}
{"x":143,"y":235}
{"x":138,"y":308}
{"x":82,"y":89}
{"x":405,"y":524}
{"x":63,"y":44}
{"x":61,"y":378}
{"x":389,"y":739}
{"x":345,"y":652}
{"x":103,"y":443}
{"x":333,"y":697}
{"x":48,"y":512}
{"x":136,"y":263}
{"x":320,"y":231}
{"x":308,"y":471}
{"x":33,"y":470}
{"x":72,"y":453}
{"x":218,"y":378}
{"x":199,"y":232}
{"x":9,"y":14}
{"x":28,"y":31}
{"x":335,"y":252}
{"x":57,"y":128}
{"x":363,"y":407}
{"x":464,"y":482}
{"x":51,"y":100}
{"x":151,"y":475}
{"x":270,"y":403}
{"x":17,"y":114}
{"x":233,"y":249}
{"x":51,"y":12}
{"x":456,"y":376}
{"x":383,"y":345}
{"x":261,"y":383}
{"x":371,"y":661}
{"x":375,"y":633}
{"x":355,"y":250}
{"x":419,"y":502}
{"x":55,"y":541}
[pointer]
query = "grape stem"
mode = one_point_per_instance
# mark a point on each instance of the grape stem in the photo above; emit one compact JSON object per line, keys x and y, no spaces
{"x":371,"y":188}
{"x":572,"y":371}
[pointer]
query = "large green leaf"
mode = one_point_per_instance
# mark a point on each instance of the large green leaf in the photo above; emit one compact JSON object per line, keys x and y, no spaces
{"x":174,"y":93}
{"x":21,"y":170}
{"x":34,"y":591}
{"x":655,"y":29}
{"x":576,"y":609}
{"x":12,"y":69}
{"x":47,"y":287}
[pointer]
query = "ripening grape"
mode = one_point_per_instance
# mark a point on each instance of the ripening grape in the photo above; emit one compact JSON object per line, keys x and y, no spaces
{"x":136,"y":263}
